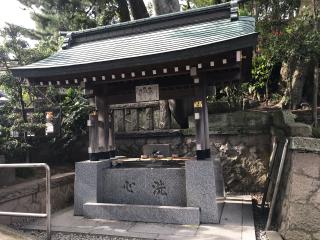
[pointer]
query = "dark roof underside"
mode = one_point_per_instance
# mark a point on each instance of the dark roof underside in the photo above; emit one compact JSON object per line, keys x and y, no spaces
{"x":158,"y":46}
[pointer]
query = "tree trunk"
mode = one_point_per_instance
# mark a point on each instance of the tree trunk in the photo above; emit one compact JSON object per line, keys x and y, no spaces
{"x":165,"y":6}
{"x":123,"y":11}
{"x":315,"y":94}
{"x":296,"y":72}
{"x":298,"y":79}
{"x":286,"y":72}
{"x":138,"y":9}
{"x":306,"y":6}
{"x":24,"y":118}
{"x":316,"y":71}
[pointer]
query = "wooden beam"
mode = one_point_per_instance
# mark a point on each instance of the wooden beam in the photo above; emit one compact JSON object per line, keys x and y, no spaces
{"x":135,"y":105}
{"x":175,"y":68}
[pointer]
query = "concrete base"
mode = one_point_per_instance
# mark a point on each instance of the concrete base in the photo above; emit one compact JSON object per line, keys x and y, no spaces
{"x":88,"y":183}
{"x":142,"y":213}
{"x":203,"y":189}
{"x":236,"y":224}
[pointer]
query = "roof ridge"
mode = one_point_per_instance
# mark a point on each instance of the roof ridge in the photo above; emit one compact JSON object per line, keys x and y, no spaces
{"x":154,"y":18}
{"x":219,"y":11}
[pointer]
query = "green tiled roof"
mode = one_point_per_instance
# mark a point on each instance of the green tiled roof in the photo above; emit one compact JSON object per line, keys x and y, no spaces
{"x":140,"y":45}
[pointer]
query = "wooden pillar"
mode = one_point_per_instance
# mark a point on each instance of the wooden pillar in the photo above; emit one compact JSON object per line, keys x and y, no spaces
{"x":99,"y":130}
{"x":93,"y":133}
{"x":112,"y":146}
{"x":201,"y":115}
{"x":206,"y":117}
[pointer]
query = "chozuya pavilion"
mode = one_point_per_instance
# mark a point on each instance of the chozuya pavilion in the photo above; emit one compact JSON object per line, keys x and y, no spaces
{"x":172,"y":56}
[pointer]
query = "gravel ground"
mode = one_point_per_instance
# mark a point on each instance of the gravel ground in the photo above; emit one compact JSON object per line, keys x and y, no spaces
{"x":260,"y":217}
{"x":41,"y":235}
{"x":260,"y":220}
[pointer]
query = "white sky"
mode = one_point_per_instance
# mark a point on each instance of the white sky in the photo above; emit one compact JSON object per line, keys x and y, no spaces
{"x":11,"y":11}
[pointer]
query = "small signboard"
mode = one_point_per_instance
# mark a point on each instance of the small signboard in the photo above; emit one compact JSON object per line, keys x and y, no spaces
{"x":197,"y":104}
{"x":147,"y":93}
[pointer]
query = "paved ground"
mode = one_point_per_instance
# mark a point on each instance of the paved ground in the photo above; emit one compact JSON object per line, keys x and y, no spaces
{"x":236,"y":224}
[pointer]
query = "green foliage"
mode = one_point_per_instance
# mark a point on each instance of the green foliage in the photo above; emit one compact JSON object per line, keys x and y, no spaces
{"x":300,"y":40}
{"x":14,"y":118}
{"x":200,"y":3}
{"x":261,"y":71}
{"x":203,"y":3}
{"x":75,"y":110}
{"x":70,"y":15}
{"x":9,"y":121}
{"x":51,"y":17}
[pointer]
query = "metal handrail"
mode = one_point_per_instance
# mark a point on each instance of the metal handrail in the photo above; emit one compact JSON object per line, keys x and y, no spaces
{"x":276,"y":188}
{"x":48,"y":189}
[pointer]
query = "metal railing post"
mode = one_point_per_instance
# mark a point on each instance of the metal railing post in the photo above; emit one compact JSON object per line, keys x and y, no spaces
{"x":48,"y":194}
{"x":48,"y":201}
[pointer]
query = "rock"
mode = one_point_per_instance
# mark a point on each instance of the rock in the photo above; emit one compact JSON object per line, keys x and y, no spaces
{"x":299,"y":129}
{"x":295,"y":235}
{"x":286,"y":120}
{"x":316,"y":236}
{"x":315,"y":199}
{"x":282,"y":118}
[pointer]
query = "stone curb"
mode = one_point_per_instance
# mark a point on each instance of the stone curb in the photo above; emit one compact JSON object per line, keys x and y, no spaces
{"x":306,"y":144}
{"x":25,"y":189}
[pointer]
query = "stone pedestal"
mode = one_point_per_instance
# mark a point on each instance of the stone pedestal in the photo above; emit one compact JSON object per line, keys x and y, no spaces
{"x":181,"y":195}
{"x":145,"y":186}
{"x":88,"y":183}
{"x":142,"y":213}
{"x":204,"y":189}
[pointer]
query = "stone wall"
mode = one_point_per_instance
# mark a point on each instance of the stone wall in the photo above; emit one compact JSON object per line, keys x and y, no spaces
{"x":7,"y":175}
{"x":241,"y":140}
{"x":30,"y":197}
{"x":298,"y":203}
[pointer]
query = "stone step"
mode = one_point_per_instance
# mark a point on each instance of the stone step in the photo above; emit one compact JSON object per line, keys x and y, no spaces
{"x":273,"y":235}
{"x":142,"y":213}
